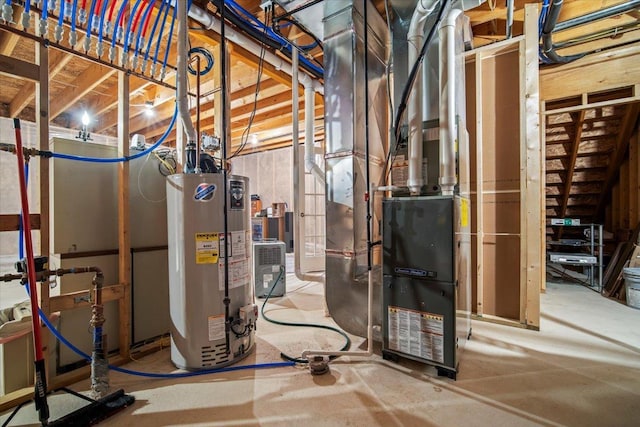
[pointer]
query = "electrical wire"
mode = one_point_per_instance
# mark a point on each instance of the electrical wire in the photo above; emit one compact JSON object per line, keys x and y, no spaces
{"x":306,"y":325}
{"x":207,"y":56}
{"x":168,"y":161}
{"x":245,"y":134}
{"x":144,"y":164}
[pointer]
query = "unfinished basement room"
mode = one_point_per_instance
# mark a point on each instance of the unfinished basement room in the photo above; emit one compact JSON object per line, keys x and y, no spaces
{"x":320,"y":213}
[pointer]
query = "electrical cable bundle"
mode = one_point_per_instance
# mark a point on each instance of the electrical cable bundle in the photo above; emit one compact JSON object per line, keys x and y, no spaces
{"x":251,"y":26}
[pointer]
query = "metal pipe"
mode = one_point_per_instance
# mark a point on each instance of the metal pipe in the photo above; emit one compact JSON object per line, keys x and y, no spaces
{"x":448,"y":118}
{"x":309,"y":155}
{"x":297,"y":209}
{"x":182,"y":98}
{"x":196,"y":59}
{"x":414,"y":45}
{"x":509,"y":18}
{"x":618,"y":9}
{"x":306,"y":354}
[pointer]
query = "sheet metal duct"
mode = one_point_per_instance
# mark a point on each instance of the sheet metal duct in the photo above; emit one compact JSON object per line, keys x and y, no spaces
{"x":346,"y":246}
{"x":308,"y":15}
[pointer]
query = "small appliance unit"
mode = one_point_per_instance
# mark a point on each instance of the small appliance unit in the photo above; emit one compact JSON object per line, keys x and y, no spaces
{"x":269,"y":268}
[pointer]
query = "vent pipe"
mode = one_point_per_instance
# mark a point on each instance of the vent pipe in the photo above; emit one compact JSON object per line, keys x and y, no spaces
{"x":415,"y":39}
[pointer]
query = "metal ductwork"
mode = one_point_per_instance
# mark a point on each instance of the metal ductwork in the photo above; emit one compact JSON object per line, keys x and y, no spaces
{"x":346,"y":245}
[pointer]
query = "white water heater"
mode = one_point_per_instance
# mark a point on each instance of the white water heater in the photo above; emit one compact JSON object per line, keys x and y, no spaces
{"x":205,"y":334}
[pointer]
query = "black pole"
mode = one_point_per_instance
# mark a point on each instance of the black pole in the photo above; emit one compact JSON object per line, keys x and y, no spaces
{"x":223,"y":84}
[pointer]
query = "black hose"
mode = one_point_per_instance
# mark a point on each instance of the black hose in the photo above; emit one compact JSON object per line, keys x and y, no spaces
{"x":346,"y":346}
{"x":547,"y":40}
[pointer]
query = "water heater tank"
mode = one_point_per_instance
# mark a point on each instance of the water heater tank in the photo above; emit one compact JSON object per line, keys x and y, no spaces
{"x":202,"y":335}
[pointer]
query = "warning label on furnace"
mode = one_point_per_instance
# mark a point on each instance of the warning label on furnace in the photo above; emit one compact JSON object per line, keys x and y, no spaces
{"x":417,"y":333}
{"x":216,"y":327}
{"x":206,"y":248}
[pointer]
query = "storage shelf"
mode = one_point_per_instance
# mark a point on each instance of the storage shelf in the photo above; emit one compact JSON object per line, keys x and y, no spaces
{"x":593,"y":251}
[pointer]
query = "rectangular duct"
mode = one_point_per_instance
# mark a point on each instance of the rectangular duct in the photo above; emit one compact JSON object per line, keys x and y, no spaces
{"x":346,"y":245}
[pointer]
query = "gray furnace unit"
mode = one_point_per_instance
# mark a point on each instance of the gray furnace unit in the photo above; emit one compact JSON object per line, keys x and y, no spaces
{"x":426,"y":280}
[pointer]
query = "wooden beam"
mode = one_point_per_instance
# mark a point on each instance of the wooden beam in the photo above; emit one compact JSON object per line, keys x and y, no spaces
{"x":8,"y":40}
{"x":124,"y":238}
{"x":57,"y":61}
{"x":18,"y":68}
{"x":606,"y":70}
{"x":79,"y":299}
{"x":106,"y":103}
{"x":572,"y":160}
{"x":88,"y":80}
{"x":532,"y":178}
{"x":10,"y":222}
{"x":624,"y":196}
{"x":622,"y":143}
{"x":634,"y":179}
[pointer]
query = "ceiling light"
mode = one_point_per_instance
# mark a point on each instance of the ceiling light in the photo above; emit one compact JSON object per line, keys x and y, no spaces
{"x":253,"y":139}
{"x":85,"y":119}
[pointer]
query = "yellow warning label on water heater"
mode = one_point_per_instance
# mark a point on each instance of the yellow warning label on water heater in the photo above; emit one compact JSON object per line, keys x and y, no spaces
{"x":464,"y":213}
{"x":207,"y":248}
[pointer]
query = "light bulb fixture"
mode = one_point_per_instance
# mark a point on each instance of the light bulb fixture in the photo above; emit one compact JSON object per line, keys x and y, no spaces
{"x":253,"y":139}
{"x":84,"y":133}
{"x":148,"y":109}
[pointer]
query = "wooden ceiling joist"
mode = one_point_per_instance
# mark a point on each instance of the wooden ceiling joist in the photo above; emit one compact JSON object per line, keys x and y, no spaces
{"x":89,"y":79}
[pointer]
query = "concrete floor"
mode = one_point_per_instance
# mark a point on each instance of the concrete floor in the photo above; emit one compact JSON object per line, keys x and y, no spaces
{"x":581,"y":369}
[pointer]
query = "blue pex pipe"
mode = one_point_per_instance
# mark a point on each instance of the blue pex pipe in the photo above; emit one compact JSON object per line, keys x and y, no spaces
{"x":121,"y":159}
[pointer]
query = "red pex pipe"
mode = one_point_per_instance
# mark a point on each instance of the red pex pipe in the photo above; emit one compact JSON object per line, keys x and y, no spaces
{"x":26,"y":226}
